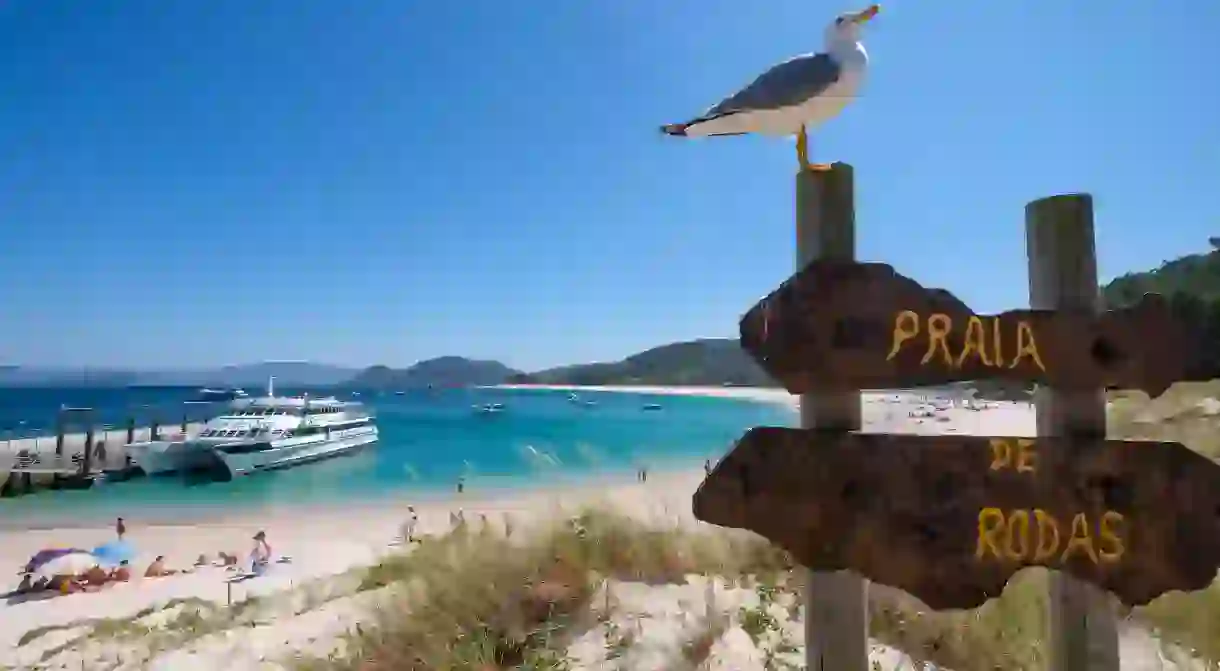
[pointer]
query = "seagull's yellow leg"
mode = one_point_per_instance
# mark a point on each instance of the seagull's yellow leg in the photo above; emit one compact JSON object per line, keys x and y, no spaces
{"x":802,"y":153}
{"x":802,"y":148}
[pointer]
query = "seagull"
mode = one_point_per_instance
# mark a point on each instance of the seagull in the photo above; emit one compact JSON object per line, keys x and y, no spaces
{"x":803,"y":90}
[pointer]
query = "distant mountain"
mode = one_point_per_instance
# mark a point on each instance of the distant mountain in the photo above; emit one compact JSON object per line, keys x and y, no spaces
{"x":286,"y":373}
{"x":445,"y":371}
{"x":711,"y":361}
{"x":46,"y":376}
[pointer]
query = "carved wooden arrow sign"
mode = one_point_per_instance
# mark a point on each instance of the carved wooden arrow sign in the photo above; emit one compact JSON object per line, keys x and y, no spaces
{"x":950,"y":519}
{"x":852,"y":325}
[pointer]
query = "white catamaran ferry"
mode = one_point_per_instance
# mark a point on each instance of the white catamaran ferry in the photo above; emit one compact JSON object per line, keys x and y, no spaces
{"x":263,"y":434}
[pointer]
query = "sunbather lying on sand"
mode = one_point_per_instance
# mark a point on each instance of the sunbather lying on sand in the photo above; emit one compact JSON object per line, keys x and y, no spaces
{"x":92,"y":580}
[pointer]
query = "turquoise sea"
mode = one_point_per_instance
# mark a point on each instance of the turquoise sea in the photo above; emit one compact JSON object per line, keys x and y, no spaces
{"x":429,"y":439}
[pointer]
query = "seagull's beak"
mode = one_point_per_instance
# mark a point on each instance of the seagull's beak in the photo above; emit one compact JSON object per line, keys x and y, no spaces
{"x":865,"y":15}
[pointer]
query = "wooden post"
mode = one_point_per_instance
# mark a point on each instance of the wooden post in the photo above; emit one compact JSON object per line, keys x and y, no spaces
{"x":1063,"y":275}
{"x":59,"y":434}
{"x":87,"y":462}
{"x":836,"y":610}
{"x":59,"y":446}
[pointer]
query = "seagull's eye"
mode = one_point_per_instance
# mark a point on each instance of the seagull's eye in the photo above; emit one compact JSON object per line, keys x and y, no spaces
{"x":839,"y":21}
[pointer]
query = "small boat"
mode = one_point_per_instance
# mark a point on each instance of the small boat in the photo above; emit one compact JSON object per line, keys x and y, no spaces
{"x":213,"y":395}
{"x":573,"y":398}
{"x":652,"y":406}
{"x":488,"y":408}
{"x":400,"y":393}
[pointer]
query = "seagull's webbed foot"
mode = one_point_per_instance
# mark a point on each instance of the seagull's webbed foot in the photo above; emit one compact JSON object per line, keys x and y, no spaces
{"x":802,"y":153}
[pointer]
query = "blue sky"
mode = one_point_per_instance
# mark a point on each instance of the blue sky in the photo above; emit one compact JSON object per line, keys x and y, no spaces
{"x":204,"y":182}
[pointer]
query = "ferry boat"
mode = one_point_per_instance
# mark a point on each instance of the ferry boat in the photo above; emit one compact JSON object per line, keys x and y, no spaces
{"x":263,"y":434}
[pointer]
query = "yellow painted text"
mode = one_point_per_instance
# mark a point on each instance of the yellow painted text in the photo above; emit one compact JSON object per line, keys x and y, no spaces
{"x":1036,"y":537}
{"x":979,"y":343}
{"x":1019,"y":454}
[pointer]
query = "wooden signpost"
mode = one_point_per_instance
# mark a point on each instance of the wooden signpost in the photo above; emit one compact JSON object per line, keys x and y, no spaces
{"x":863,"y":325}
{"x":951,"y":518}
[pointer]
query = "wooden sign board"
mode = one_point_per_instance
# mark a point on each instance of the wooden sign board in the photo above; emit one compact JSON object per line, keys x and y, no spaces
{"x":950,"y":519}
{"x":849,"y":325}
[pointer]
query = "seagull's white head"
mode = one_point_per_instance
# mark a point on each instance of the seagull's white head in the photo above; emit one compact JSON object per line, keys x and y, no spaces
{"x":846,"y":27}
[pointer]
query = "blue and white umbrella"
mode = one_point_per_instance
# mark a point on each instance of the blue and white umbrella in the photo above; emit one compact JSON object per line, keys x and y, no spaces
{"x":43,"y":556}
{"x":114,"y":553}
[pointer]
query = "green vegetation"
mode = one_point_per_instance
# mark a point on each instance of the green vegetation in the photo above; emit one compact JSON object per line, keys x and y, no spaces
{"x":445,"y":371}
{"x":1192,"y":284}
{"x":1196,"y":275}
{"x":709,"y":362}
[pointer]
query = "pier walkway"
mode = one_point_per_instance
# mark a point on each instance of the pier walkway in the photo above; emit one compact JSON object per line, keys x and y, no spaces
{"x":36,"y":454}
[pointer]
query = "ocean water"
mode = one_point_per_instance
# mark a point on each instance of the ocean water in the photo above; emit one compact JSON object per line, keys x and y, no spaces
{"x":428,"y":441}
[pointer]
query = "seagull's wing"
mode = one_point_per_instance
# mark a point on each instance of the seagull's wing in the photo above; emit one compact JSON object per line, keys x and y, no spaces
{"x":790,"y":83}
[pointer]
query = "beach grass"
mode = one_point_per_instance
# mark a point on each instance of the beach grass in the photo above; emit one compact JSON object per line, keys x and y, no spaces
{"x":481,"y":601}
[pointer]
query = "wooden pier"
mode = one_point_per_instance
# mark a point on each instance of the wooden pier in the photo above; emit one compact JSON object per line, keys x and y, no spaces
{"x":76,"y":460}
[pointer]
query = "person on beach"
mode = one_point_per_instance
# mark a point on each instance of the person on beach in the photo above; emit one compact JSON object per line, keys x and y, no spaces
{"x":461,"y":485}
{"x":707,"y":466}
{"x":408,"y":527}
{"x":157,"y":569}
{"x":260,"y":556}
{"x":122,"y":573}
{"x":90,"y":581}
{"x":120,"y":529}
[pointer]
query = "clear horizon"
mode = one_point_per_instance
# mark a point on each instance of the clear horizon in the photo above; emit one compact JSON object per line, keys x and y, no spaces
{"x":205,"y":181}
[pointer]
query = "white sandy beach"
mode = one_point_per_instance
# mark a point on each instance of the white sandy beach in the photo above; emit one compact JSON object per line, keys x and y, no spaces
{"x":328,"y":542}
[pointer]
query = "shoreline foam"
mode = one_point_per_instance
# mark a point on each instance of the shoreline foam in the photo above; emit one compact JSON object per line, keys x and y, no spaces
{"x":757,"y":394}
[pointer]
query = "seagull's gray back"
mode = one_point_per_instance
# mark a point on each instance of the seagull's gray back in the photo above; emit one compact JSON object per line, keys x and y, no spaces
{"x":789,"y":83}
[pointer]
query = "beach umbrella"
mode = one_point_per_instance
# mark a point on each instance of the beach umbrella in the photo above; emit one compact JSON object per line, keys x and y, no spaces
{"x":114,"y":552}
{"x":75,"y":563}
{"x":43,"y":556}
